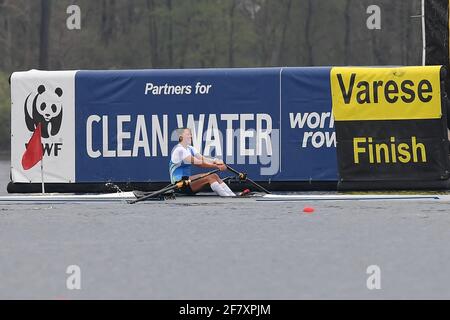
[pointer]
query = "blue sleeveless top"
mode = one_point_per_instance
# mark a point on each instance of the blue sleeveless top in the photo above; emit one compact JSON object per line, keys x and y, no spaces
{"x":179,"y":170}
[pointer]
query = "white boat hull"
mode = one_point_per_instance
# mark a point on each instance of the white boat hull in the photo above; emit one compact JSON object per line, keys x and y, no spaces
{"x":126,"y":196}
{"x":355,"y":197}
{"x":62,"y":198}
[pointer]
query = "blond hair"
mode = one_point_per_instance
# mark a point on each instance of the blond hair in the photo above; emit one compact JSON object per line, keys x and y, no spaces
{"x":180,"y":132}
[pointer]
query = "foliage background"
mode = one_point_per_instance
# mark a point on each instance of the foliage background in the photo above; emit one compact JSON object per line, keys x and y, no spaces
{"x":133,"y":34}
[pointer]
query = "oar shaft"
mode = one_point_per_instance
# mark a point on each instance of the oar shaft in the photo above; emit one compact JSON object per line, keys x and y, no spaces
{"x":153,"y":194}
{"x":250,"y":180}
{"x":232,"y":170}
{"x":259,"y":186}
{"x":228,"y":178}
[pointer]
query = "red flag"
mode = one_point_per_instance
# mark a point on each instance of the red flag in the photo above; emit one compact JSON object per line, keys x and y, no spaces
{"x":34,"y":152}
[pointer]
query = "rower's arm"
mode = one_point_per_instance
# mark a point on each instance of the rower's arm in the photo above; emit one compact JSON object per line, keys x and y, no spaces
{"x":202,"y":163}
{"x":211,"y":160}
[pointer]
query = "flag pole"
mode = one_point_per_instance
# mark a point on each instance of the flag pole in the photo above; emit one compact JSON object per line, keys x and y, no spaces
{"x":42,"y":168}
{"x":42,"y":175}
{"x":424,"y":42}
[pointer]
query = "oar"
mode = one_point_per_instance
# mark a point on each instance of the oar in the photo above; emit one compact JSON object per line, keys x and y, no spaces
{"x":140,"y":194}
{"x":228,"y":178}
{"x":177,"y":185}
{"x":243,"y":177}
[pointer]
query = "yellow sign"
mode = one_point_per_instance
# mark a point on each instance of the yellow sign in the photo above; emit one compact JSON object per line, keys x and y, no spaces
{"x":402,"y":93}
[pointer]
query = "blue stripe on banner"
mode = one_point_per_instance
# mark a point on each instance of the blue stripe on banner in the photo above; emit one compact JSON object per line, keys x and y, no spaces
{"x":125,"y":122}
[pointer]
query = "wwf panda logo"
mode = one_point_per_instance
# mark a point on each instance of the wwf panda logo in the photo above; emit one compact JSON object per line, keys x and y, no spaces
{"x":46,"y":108}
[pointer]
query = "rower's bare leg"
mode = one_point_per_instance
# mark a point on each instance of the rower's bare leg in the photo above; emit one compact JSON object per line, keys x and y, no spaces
{"x":196,"y":186}
{"x":214,"y":181}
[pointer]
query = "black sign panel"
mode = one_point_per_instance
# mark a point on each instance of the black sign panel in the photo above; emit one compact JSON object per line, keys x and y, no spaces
{"x":387,"y":150}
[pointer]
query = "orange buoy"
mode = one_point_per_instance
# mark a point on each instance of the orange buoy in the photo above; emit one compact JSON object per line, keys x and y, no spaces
{"x":308,"y":209}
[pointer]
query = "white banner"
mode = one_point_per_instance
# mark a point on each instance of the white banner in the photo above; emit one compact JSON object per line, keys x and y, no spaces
{"x":47,"y":97}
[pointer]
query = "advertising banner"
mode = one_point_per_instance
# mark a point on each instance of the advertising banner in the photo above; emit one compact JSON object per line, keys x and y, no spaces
{"x":404,"y":93}
{"x":47,"y":97}
{"x":390,"y":124}
{"x":273,"y":123}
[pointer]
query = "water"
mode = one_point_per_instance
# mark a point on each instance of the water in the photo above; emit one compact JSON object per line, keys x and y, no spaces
{"x":200,"y":249}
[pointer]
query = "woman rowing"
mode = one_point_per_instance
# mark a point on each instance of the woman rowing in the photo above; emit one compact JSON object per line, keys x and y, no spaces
{"x":184,"y":156}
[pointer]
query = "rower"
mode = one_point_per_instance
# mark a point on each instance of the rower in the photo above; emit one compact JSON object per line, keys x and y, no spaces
{"x":183,"y":156}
